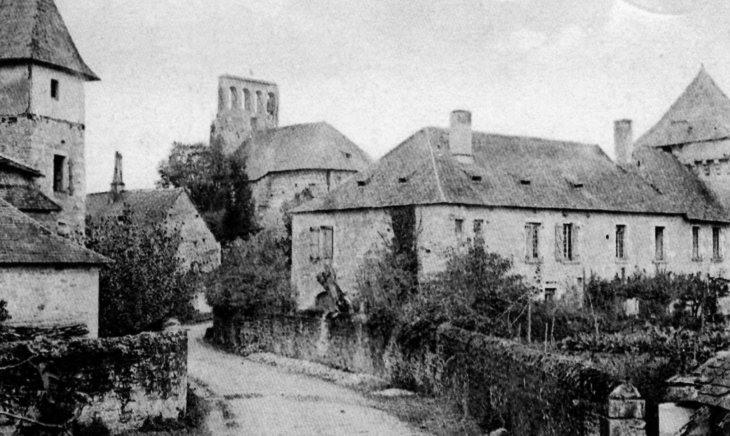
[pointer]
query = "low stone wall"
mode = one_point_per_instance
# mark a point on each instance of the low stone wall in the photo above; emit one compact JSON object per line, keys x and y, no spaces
{"x":340,"y":342}
{"x":121,"y":381}
{"x":498,"y":382}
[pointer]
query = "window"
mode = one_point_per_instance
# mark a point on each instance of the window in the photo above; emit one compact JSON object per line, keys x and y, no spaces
{"x":532,"y":242}
{"x":659,"y":243}
{"x":566,"y":242}
{"x":550,"y":294}
{"x":696,"y":243}
{"x":326,"y":243}
{"x":58,"y":166}
{"x":716,"y":253}
{"x":54,"y":89}
{"x":320,"y":243}
{"x":271,"y":104}
{"x":247,"y":99}
{"x":459,"y":227}
{"x":259,"y":101}
{"x":620,"y":241}
{"x":479,"y":231}
{"x":235,"y":104}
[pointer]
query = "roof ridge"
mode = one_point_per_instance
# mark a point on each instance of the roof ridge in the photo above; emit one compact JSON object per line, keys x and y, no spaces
{"x":435,"y":168}
{"x":531,"y":138}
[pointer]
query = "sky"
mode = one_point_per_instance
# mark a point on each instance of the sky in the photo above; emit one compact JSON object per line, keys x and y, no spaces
{"x":380,"y":70}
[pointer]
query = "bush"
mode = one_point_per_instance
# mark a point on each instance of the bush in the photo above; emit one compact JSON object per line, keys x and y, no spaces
{"x":253,"y":277}
{"x":4,"y":314}
{"x":94,"y":428}
{"x":145,"y":284}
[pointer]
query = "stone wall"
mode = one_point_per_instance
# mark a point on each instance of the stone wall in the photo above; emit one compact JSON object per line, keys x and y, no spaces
{"x":498,"y":382}
{"x":339,"y":342}
{"x":273,"y":190}
{"x":122,"y":381}
{"x":198,"y":245}
{"x":47,"y":295}
{"x":503,"y":230}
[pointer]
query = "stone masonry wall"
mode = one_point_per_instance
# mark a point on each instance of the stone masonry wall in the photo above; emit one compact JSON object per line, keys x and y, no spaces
{"x":122,"y":381}
{"x":47,"y":295}
{"x":503,"y":230}
{"x":500,"y":383}
{"x":273,"y":190}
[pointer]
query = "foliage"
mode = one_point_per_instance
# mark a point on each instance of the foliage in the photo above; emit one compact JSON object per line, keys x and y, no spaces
{"x":694,"y":298}
{"x":217,"y":185}
{"x":286,"y":208}
{"x":144,"y":285}
{"x":94,"y":428}
{"x":4,"y":314}
{"x":388,"y":277}
{"x":253,"y":277}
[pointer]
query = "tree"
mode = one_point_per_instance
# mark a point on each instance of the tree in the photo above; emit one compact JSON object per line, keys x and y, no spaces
{"x":217,"y":185}
{"x":253,"y":277}
{"x":145,"y":284}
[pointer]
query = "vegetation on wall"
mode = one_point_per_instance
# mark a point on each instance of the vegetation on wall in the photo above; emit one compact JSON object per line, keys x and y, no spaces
{"x":388,"y":277}
{"x":144,"y":285}
{"x":253,"y":277}
{"x":4,"y":314}
{"x":217,"y":185}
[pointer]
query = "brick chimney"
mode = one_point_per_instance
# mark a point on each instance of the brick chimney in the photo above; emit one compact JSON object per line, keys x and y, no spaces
{"x":623,"y":138}
{"x":460,"y":136}
{"x":117,"y":180}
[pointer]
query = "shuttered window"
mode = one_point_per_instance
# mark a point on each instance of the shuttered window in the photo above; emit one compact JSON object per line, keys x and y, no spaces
{"x":327,"y":242}
{"x":532,"y":242}
{"x":659,"y":243}
{"x":716,"y":252}
{"x":620,"y":241}
{"x":566,"y":242}
{"x":314,"y":243}
{"x":696,"y":243}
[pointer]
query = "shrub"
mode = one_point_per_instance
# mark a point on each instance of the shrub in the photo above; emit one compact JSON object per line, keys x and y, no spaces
{"x":145,"y":284}
{"x":4,"y":314}
{"x":253,"y":277}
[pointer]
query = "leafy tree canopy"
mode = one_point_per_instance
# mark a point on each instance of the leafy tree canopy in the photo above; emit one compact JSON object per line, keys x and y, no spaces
{"x":217,"y":185}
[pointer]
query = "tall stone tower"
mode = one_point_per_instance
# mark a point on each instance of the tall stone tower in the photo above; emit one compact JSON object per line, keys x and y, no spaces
{"x":42,"y":103}
{"x":244,"y":105}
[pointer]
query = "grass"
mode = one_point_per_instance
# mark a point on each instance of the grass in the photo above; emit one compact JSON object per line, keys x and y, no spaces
{"x":432,"y":415}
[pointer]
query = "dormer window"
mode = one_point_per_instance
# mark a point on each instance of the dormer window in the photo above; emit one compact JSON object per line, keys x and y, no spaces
{"x":402,"y":179}
{"x":476,"y":178}
{"x":361,"y":183}
{"x":525,"y":182}
{"x":54,"y":89}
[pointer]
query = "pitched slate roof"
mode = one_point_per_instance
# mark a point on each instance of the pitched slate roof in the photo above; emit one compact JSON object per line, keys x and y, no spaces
{"x":709,"y":384}
{"x":14,"y":164}
{"x":149,"y":206}
{"x":298,"y":147}
{"x":24,"y":241}
{"x":701,"y":113}
{"x":33,"y":30}
{"x":509,"y":171}
{"x":679,"y":185}
{"x":28,"y":199}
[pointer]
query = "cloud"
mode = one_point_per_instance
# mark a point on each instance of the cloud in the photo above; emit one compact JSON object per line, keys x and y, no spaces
{"x":521,"y":41}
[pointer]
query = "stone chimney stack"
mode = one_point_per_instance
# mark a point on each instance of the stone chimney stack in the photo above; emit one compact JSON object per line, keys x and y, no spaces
{"x":117,"y":181}
{"x":460,"y":136}
{"x":623,"y":138}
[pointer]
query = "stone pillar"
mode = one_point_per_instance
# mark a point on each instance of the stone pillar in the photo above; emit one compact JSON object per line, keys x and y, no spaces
{"x":625,"y":412}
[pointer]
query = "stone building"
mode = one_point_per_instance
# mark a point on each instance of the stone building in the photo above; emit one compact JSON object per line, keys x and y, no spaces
{"x":281,"y":162}
{"x":560,"y":210}
{"x":46,"y":279}
{"x":42,"y":80}
{"x":170,"y":208}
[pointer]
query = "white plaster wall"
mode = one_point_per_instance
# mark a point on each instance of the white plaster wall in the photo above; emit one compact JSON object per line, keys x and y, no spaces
{"x":46,"y":295}
{"x":70,"y":104}
{"x":14,"y":89}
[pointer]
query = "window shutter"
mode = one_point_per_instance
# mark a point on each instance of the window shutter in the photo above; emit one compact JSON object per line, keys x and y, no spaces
{"x":313,"y":243}
{"x":576,"y":241}
{"x":528,"y":242}
{"x":327,"y":247}
{"x":559,"y":242}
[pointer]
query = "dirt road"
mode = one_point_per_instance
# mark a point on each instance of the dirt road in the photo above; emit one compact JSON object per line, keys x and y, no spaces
{"x":258,"y":399}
